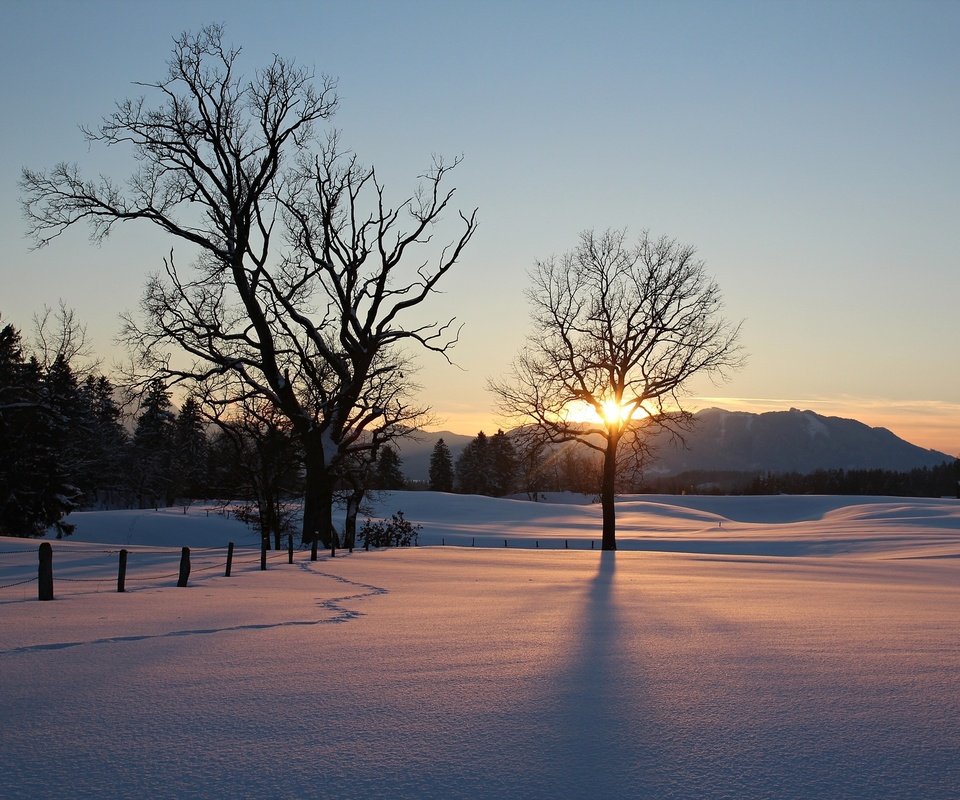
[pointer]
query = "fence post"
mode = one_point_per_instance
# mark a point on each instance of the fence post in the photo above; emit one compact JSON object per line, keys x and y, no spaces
{"x":591,"y":544}
{"x":263,"y":553}
{"x":313,"y":548}
{"x":537,"y":544}
{"x":229,"y":559}
{"x":504,"y":542}
{"x":289,"y":548}
{"x":122,"y":571}
{"x":473,"y":541}
{"x":184,"y":566}
{"x":45,"y":572}
{"x":566,"y":544}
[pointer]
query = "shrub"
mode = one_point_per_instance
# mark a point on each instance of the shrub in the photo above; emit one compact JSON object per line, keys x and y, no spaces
{"x":398,"y":532}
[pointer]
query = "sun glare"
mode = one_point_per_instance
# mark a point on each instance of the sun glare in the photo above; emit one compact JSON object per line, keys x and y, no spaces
{"x":612,"y":413}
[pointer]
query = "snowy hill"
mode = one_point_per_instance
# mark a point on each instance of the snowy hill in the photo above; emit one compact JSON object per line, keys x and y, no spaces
{"x":789,"y":647}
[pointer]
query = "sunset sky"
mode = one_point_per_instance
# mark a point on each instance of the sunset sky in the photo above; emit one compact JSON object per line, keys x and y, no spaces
{"x":809,"y":150}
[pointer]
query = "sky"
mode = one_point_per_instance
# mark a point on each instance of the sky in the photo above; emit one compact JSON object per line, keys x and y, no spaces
{"x":807,"y":150}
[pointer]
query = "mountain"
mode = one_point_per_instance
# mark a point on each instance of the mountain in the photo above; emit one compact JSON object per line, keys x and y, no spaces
{"x":787,"y":441}
{"x":741,"y":441}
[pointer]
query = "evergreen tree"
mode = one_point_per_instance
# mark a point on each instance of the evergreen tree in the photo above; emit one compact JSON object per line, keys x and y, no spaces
{"x":473,"y":467}
{"x":387,"y":472}
{"x":441,"y":468}
{"x":503,"y":465}
{"x":151,"y":456}
{"x":190,"y":451}
{"x":35,"y":492}
{"x":104,"y":439}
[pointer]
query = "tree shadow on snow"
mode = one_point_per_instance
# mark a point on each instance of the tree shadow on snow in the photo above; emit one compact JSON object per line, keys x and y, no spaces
{"x":595,"y":727}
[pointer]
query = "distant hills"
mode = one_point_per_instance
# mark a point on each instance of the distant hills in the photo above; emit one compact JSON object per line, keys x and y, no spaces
{"x":741,"y":441}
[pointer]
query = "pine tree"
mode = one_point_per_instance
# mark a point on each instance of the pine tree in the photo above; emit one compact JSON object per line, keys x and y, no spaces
{"x":35,"y":492}
{"x":387,"y":471}
{"x":106,"y":439}
{"x":151,"y":467}
{"x":503,"y":465}
{"x":473,"y":467}
{"x":190,"y":451}
{"x":441,"y":468}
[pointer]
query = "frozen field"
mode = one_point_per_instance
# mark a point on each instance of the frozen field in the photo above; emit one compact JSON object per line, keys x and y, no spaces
{"x":773,"y":647}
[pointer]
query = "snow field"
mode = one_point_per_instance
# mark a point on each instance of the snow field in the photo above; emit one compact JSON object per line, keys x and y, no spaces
{"x":494,"y":673}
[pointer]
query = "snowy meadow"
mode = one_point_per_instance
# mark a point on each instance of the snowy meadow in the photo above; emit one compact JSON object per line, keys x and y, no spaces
{"x":764,"y":647}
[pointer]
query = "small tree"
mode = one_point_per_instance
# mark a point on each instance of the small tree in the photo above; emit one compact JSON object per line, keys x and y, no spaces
{"x":441,"y":468}
{"x":473,"y":467}
{"x":619,"y":331}
{"x":388,"y":473}
{"x":190,"y":451}
{"x":151,"y":454}
{"x":503,"y":465}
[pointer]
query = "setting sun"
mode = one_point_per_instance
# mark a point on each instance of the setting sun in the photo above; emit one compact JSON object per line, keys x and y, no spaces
{"x":612,"y":412}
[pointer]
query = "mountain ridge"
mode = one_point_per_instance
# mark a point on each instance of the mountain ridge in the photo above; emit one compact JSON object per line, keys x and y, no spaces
{"x":771,"y":441}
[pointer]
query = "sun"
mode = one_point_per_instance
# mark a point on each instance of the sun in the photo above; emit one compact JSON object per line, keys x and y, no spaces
{"x":612,"y":413}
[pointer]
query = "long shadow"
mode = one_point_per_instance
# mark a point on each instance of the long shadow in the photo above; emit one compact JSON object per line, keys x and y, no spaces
{"x":597,"y":719}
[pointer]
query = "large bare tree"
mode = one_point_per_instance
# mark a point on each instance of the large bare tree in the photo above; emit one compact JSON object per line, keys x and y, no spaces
{"x":618,"y":330}
{"x":297,"y":281}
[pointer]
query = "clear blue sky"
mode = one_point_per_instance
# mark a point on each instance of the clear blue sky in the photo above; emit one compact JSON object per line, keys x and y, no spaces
{"x":810,"y":151}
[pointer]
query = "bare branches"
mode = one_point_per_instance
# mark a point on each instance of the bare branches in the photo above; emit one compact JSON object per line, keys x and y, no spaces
{"x":619,"y":331}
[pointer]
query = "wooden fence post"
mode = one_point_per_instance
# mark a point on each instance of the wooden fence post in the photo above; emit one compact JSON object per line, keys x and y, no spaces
{"x":122,"y":571}
{"x":263,"y":554}
{"x":313,"y":548}
{"x":184,"y":567}
{"x":229,"y":559}
{"x":45,"y":572}
{"x":289,"y":548}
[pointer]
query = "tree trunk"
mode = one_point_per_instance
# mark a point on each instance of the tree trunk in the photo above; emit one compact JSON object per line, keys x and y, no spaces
{"x":608,"y":488}
{"x":318,"y":502}
{"x":350,"y":522}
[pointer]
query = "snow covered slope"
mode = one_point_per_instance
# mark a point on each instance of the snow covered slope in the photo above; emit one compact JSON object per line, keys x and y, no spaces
{"x":785,"y":648}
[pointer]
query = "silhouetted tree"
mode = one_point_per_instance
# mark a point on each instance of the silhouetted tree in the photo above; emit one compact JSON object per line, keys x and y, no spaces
{"x":441,"y":468}
{"x":190,"y":451}
{"x":503,"y":465}
{"x":621,"y":330}
{"x":36,"y":491}
{"x":151,"y":453}
{"x":473,"y":467}
{"x":388,"y":473}
{"x":308,"y":328}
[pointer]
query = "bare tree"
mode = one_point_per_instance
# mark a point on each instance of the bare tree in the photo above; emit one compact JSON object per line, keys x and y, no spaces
{"x":618,"y":331}
{"x":59,"y":335}
{"x":295,"y":288}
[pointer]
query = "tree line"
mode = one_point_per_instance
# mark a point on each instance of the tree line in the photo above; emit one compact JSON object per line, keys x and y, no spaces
{"x":942,"y":480}
{"x":67,"y":442}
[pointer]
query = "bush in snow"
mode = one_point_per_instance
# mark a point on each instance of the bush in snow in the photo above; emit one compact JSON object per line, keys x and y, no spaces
{"x":398,"y":532}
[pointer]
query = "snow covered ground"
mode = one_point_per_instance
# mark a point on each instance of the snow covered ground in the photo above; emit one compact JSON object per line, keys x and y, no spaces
{"x":772,"y":647}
